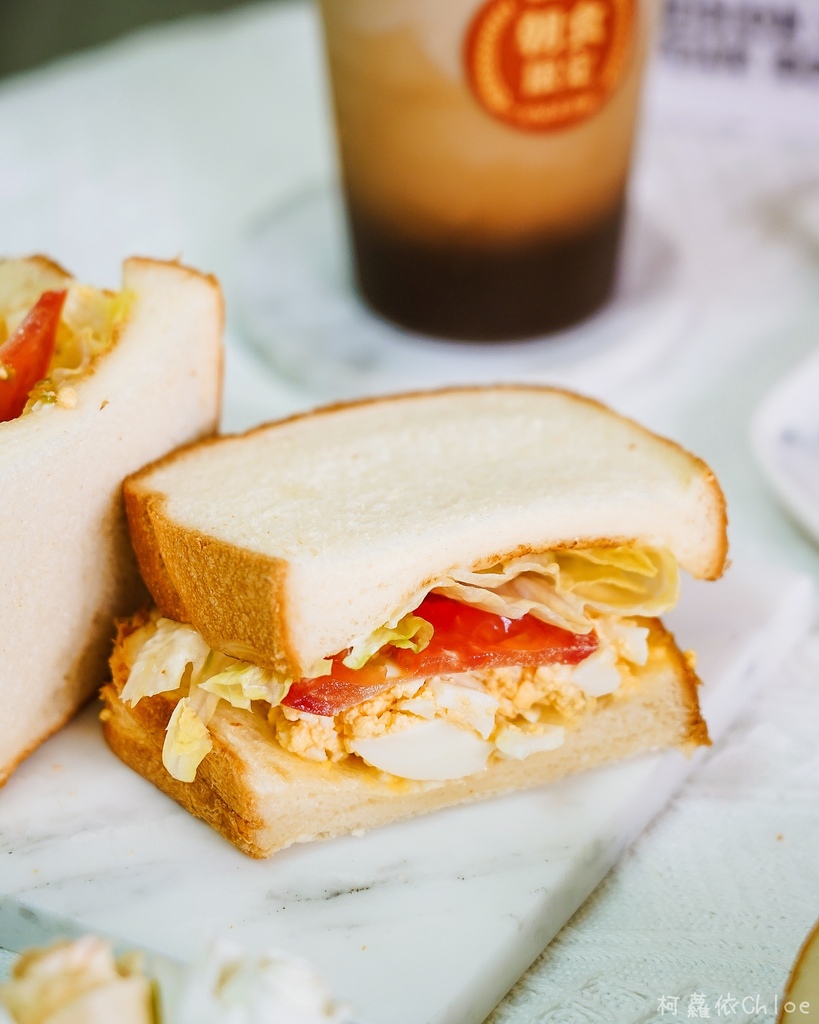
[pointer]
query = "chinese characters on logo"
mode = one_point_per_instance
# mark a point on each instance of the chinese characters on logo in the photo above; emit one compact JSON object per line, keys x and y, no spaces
{"x":546,"y":64}
{"x":559,"y":46}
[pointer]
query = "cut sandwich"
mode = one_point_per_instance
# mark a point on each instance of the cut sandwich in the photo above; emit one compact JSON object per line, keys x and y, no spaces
{"x":92,"y":385}
{"x":388,"y":607}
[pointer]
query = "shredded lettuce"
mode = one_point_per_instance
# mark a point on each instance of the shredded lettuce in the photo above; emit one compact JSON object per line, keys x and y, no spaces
{"x":411,"y":632}
{"x":93,"y":316}
{"x":89,"y":326}
{"x":240,"y":683}
{"x":175,"y":653}
{"x":187,"y":742}
{"x":163,"y":661}
{"x":561,"y":587}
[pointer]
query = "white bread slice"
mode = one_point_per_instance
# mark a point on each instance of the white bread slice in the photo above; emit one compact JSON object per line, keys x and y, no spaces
{"x":67,"y":564}
{"x":23,"y":281}
{"x":263,"y":798}
{"x":283,"y":545}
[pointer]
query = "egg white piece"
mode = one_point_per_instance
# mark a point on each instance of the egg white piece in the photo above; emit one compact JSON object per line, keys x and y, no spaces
{"x":633,"y":642}
{"x":627,"y":640}
{"x":472,"y":706}
{"x":426,"y":751}
{"x":518,"y":744}
{"x":463,"y":705}
{"x":598,"y":674}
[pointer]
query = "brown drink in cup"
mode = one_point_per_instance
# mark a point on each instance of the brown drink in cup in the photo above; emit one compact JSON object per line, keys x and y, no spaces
{"x":485,"y":149}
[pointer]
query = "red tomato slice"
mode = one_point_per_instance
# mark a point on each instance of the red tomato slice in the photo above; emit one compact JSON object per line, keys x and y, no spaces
{"x":468,"y":638}
{"x":465,"y":639}
{"x":343,"y":688}
{"x":27,"y":353}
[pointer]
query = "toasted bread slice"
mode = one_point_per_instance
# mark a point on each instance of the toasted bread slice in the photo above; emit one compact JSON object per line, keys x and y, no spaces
{"x":283,"y":545}
{"x":67,"y":564}
{"x":264,"y":798}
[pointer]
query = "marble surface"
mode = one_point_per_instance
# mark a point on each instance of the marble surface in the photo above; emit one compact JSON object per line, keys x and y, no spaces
{"x":431,"y":920}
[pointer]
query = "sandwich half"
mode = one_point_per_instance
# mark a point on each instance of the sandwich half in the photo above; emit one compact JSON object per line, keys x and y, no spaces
{"x":93,"y":384}
{"x":380,"y":609}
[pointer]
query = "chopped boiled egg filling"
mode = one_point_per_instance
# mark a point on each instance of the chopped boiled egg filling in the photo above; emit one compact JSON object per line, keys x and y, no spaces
{"x":447,"y":727}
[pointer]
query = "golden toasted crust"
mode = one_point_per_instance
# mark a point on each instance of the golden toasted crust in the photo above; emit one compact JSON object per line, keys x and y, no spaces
{"x":174,"y":577}
{"x":263,"y":798}
{"x":46,"y":263}
{"x":189,"y":271}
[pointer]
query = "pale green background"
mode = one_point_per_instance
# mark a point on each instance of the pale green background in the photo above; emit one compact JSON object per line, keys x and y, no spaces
{"x":35,"y":31}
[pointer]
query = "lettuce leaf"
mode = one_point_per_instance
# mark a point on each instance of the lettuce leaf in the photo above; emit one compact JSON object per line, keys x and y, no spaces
{"x":410,"y":632}
{"x":175,"y":655}
{"x":562,"y":587}
{"x":241,"y":683}
{"x":187,"y":742}
{"x":162,"y":661}
{"x":89,"y":325}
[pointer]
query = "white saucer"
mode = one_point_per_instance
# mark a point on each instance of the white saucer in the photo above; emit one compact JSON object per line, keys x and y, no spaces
{"x":785,"y":440}
{"x":298,"y":307}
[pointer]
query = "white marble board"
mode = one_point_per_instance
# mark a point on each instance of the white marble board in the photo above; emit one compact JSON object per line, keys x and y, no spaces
{"x":426,"y":922}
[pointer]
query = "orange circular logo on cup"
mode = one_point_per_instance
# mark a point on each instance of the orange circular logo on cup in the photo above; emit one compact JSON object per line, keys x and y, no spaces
{"x":542,"y":65}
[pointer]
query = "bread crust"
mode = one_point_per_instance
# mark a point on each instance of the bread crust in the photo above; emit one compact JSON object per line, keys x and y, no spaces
{"x":174,"y":561}
{"x":263,"y":798}
{"x":174,"y":575}
{"x":44,"y":263}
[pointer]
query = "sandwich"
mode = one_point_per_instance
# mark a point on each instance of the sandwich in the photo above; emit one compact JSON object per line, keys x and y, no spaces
{"x":81,"y":981}
{"x":77,"y":982}
{"x":379,"y":609}
{"x":93,"y":384}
